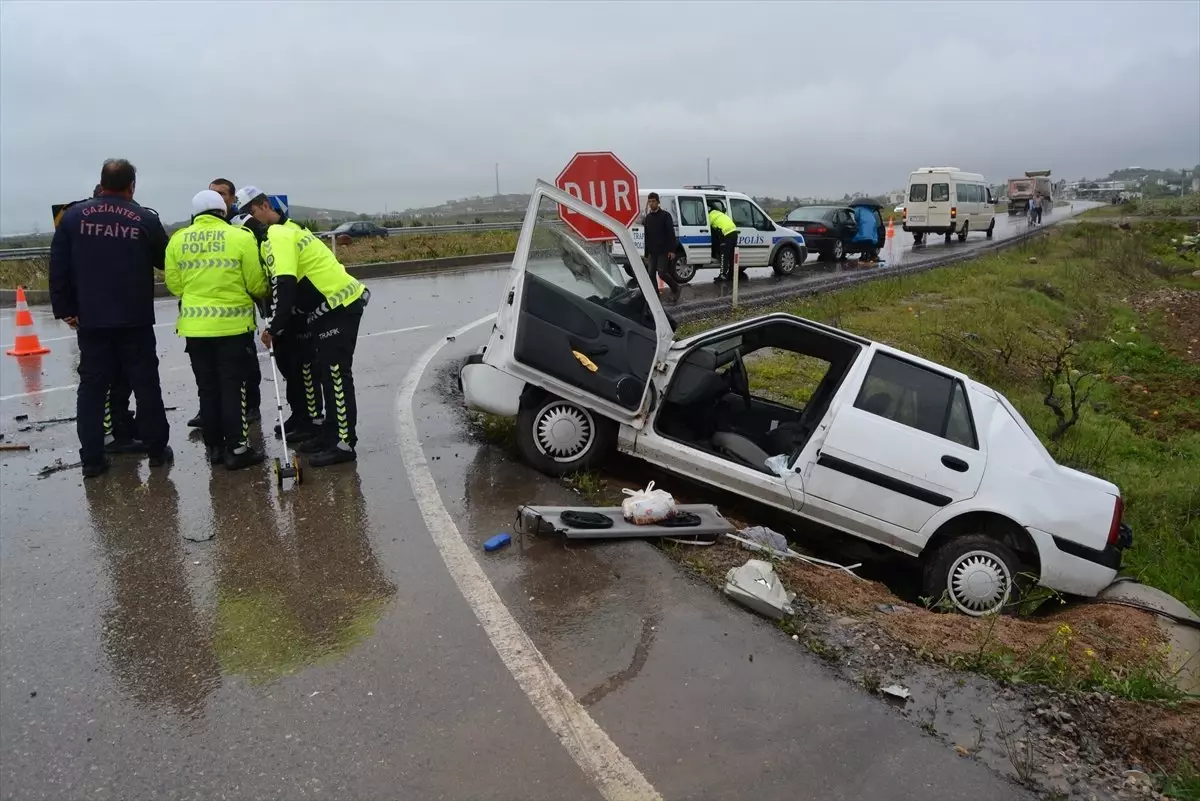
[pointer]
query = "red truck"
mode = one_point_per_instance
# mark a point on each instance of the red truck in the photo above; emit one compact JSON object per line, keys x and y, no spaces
{"x":1022,"y":190}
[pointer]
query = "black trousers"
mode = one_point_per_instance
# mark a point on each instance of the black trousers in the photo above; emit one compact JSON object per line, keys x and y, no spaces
{"x":659,"y":263}
{"x":119,"y":422}
{"x":105,"y":354}
{"x":221,"y":369}
{"x":728,"y":246}
{"x":253,"y":380}
{"x":335,"y":334}
{"x":296,"y":357}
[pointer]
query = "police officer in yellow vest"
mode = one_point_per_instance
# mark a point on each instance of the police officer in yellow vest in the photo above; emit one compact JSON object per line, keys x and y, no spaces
{"x":309,"y":280}
{"x":724,"y":234}
{"x":214,"y":269}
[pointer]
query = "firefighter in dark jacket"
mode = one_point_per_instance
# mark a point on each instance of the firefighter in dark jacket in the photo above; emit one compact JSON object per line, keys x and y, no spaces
{"x":661,"y":244}
{"x":102,"y":262}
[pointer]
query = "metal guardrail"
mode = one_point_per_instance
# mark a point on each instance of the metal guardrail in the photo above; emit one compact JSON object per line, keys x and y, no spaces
{"x":14,"y":254}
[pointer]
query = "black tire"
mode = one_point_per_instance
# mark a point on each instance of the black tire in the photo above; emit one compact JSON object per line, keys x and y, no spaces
{"x":918,"y":239}
{"x":597,"y":435}
{"x":968,"y":556}
{"x":682,"y":270}
{"x":838,"y":251}
{"x":962,"y":235}
{"x":786,"y":260}
{"x":991,"y":229}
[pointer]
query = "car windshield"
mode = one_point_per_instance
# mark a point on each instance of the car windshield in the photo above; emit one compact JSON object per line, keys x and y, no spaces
{"x":808,"y":213}
{"x":561,"y":256}
{"x":343,"y":227}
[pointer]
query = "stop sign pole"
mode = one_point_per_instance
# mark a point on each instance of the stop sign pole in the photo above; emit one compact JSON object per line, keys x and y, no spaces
{"x":602,"y":180}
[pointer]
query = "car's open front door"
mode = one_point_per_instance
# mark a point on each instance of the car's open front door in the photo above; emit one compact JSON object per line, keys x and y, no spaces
{"x":569,"y":324}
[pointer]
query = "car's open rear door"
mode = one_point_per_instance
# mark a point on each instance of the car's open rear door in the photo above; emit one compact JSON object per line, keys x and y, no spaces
{"x":568,"y":323}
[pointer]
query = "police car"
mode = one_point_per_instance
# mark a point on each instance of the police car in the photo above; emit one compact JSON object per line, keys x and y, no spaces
{"x":761,"y":242}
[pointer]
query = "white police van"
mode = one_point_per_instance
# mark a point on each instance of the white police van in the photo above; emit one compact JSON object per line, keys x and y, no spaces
{"x":761,"y":242}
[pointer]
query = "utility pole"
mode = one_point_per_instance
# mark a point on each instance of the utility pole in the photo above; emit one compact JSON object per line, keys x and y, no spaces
{"x":497,"y":179}
{"x":708,"y":170}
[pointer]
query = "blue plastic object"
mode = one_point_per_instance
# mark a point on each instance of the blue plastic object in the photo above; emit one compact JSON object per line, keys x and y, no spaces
{"x":497,"y":542}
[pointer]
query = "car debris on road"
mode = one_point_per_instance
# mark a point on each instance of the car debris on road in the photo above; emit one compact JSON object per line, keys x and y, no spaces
{"x":756,"y":586}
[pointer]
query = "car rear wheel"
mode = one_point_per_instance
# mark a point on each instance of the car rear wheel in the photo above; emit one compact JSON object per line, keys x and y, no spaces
{"x":962,"y":235}
{"x":838,"y":252}
{"x":786,"y":261}
{"x":560,"y":437}
{"x":684,"y":272}
{"x":918,"y":239}
{"x":991,"y":229}
{"x":975,"y":573}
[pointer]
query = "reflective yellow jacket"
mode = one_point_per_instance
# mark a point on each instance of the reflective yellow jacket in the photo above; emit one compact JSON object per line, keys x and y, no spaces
{"x":213,"y":268}
{"x":304,"y":269}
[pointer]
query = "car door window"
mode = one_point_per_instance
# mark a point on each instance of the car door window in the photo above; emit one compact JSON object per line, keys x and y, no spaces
{"x":761,"y":221}
{"x":742,"y":212}
{"x":917,"y":397}
{"x":939,"y":193}
{"x":918,"y":193}
{"x":693,"y":212}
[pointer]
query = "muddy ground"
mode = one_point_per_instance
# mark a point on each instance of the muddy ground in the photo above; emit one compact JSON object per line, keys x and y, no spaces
{"x":1067,"y":745}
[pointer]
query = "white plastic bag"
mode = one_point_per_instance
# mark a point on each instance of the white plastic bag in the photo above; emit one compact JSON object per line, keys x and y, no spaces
{"x":647,"y":506}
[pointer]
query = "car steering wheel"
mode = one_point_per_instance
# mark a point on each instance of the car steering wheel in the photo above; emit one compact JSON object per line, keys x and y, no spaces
{"x":739,"y":378}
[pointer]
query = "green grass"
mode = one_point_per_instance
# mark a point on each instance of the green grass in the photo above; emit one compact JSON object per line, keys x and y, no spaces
{"x":34,"y":273}
{"x":1001,"y":319}
{"x":1186,"y":206}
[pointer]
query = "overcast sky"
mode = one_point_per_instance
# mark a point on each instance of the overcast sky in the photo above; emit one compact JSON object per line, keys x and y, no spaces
{"x":365,"y":105}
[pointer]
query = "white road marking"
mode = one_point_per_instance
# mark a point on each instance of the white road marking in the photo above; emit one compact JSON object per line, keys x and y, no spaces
{"x":72,"y":336}
{"x":613,"y":774}
{"x":73,"y":386}
{"x":262,"y":354}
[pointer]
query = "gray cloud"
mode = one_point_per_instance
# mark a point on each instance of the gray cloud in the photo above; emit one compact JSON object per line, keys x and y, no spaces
{"x":359,"y":106}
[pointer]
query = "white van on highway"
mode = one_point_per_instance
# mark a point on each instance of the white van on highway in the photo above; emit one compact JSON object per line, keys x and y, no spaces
{"x":946,"y":200}
{"x":761,"y":241}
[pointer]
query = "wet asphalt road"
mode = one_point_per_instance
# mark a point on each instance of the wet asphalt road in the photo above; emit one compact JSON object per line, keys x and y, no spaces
{"x":901,"y":251}
{"x":194,"y":633}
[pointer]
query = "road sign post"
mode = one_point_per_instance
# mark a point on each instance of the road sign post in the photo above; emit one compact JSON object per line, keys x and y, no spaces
{"x":604,"y":181}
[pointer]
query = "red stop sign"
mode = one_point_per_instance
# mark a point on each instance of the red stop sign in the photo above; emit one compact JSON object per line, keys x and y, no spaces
{"x":604,"y":181}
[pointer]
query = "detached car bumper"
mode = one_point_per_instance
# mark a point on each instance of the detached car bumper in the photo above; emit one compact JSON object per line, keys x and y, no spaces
{"x":488,"y":389}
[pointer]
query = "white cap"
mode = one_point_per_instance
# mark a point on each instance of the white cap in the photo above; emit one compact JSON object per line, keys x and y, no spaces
{"x":207,"y":200}
{"x":244,"y":195}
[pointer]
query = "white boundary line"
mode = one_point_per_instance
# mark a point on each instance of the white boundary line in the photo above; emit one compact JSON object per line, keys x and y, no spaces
{"x":601,"y":761}
{"x":262,"y":354}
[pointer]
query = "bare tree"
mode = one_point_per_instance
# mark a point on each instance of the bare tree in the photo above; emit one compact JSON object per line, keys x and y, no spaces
{"x":1059,"y":370}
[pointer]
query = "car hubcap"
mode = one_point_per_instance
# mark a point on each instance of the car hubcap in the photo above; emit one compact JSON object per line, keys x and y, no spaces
{"x":787,"y":260}
{"x":979,"y":583}
{"x":683,"y":270}
{"x":563,"y":432}
{"x":838,"y":250}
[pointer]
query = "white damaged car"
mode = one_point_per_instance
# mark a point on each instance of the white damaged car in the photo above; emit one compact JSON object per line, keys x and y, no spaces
{"x":879,"y":444}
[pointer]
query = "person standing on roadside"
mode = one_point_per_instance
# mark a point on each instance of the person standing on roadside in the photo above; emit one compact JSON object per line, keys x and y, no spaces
{"x":228,"y":192}
{"x":309,"y":281}
{"x":661,"y":244}
{"x":102,"y":262}
{"x":213,"y":268}
{"x":725,"y":234}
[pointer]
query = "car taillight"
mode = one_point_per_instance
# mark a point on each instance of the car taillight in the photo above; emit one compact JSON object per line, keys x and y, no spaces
{"x":953,"y":212}
{"x":817,"y":229}
{"x":1114,"y":530}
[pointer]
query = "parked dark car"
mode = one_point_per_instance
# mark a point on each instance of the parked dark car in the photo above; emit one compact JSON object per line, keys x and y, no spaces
{"x":355,"y":230}
{"x":831,"y":231}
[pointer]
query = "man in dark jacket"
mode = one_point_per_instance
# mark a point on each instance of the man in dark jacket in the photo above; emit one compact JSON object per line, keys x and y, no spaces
{"x":661,"y":244}
{"x":102,"y":262}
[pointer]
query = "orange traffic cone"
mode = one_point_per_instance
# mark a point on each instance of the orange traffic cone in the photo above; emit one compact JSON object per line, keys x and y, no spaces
{"x":26,"y":342}
{"x":891,"y":230}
